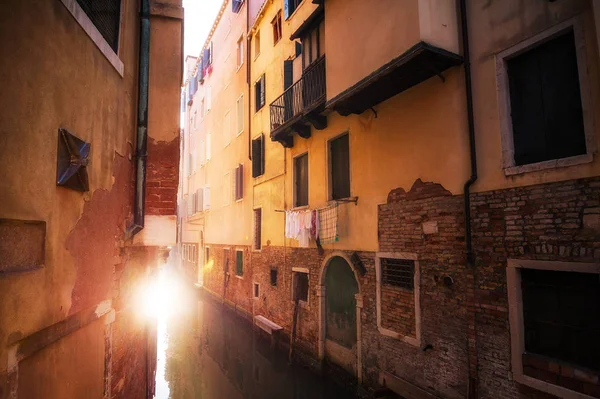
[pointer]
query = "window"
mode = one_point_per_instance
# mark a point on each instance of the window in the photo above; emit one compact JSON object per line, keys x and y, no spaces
{"x":226,"y":129}
{"x":240,"y":52}
{"x":239,"y":182}
{"x":561,"y":315}
{"x":259,"y":91}
{"x":398,"y":272}
{"x":258,"y":229}
{"x":255,"y":290}
{"x":258,"y":156}
{"x":276,"y":23}
{"x":290,"y":6}
{"x":206,"y":254}
{"x":313,"y":45}
{"x":300,"y":285}
{"x":554,"y":323}
{"x":301,"y":180}
{"x":273,"y":277}
{"x":236,"y":5}
{"x":256,"y":44}
{"x":239,"y":262}
{"x":106,"y":17}
{"x":543,"y":90}
{"x":398,"y":293}
{"x":239,"y":106}
{"x":339,"y":167}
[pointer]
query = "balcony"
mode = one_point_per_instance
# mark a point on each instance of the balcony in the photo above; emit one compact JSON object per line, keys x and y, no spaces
{"x":300,"y":106}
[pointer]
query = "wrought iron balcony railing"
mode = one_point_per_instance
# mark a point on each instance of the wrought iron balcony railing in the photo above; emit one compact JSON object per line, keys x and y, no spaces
{"x":300,"y":98}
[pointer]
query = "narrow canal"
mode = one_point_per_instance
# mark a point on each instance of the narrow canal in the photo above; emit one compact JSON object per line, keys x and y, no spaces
{"x":205,"y":351}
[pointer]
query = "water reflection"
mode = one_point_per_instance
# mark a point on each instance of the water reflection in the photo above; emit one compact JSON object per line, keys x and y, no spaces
{"x":206,"y":352}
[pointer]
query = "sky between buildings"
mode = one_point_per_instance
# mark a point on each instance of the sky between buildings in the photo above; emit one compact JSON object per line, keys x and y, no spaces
{"x":199,"y":17}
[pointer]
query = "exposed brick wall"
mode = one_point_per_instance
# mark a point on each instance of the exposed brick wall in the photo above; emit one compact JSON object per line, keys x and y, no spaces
{"x":162,"y":177}
{"x":542,"y":222}
{"x":398,"y":310}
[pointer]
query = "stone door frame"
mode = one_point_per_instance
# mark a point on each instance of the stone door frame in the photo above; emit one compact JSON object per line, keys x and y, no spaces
{"x":321,"y":295}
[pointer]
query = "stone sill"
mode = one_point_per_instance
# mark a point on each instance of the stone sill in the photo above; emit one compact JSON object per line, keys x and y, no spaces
{"x":553,"y":164}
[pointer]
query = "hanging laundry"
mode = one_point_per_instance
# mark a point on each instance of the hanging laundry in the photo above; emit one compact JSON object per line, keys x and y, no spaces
{"x":314,"y":224}
{"x":328,"y":218}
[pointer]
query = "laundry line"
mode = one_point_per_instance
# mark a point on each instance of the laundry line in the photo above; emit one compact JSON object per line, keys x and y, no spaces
{"x":340,"y":201}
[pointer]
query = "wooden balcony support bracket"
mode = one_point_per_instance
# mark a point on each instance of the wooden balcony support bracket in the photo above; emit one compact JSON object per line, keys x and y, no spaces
{"x":318,"y":121}
{"x":302,"y":130}
{"x":286,"y":140}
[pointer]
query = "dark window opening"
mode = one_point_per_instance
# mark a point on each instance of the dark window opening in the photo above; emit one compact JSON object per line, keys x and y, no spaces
{"x":289,"y":6}
{"x":301,"y":180}
{"x":273,"y":277}
{"x":398,"y":272}
{"x":312,"y":43}
{"x":276,"y":23}
{"x":106,"y":17}
{"x":546,"y":110}
{"x":239,"y":263}
{"x":259,"y":93}
{"x":258,"y":156}
{"x":257,"y":228}
{"x":239,"y":182}
{"x":236,"y":5}
{"x":561,"y":315}
{"x":206,"y":255}
{"x":340,"y":167}
{"x":256,"y":291}
{"x":301,"y":286}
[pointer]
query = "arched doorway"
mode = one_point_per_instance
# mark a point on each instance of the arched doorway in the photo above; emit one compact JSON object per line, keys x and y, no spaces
{"x":340,"y":314}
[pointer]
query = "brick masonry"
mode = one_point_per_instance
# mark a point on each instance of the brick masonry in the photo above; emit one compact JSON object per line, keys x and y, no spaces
{"x":465,"y":337}
{"x":162,"y":177}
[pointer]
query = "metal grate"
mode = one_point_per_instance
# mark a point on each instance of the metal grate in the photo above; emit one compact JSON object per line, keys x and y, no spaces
{"x":398,"y":272}
{"x":106,"y":17}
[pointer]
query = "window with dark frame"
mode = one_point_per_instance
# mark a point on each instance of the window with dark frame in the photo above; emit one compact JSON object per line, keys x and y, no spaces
{"x":106,"y":17}
{"x":339,"y":152}
{"x":545,"y":102}
{"x":258,"y":156}
{"x":301,"y":180}
{"x":561,"y":315}
{"x":301,"y":286}
{"x":239,"y":182}
{"x":276,"y":23}
{"x":259,"y":92}
{"x":256,"y":290}
{"x":258,"y":229}
{"x":239,"y":263}
{"x":206,"y":254}
{"x":311,"y":45}
{"x":236,"y":5}
{"x":398,"y":273}
{"x":273,"y":276}
{"x":290,"y":6}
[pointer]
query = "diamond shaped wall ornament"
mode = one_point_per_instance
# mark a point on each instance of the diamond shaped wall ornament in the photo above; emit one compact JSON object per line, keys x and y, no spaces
{"x":71,"y":165}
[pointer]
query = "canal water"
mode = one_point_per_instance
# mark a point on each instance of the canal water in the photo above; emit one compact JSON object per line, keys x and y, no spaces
{"x":205,"y":351}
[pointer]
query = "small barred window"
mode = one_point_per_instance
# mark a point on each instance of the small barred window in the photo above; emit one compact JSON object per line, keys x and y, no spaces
{"x":398,"y":272}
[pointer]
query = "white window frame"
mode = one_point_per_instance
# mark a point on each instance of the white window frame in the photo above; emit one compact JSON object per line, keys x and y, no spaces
{"x":90,"y":29}
{"x":517,"y":328}
{"x":416,"y":290}
{"x":240,"y":128}
{"x":504,"y":105}
{"x":239,"y":52}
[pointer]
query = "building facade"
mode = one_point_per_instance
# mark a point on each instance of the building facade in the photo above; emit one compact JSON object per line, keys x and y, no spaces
{"x":90,"y":140}
{"x":449,"y":151}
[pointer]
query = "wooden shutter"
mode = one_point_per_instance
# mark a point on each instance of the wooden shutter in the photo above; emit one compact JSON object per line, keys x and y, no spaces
{"x":257,"y":228}
{"x":301,"y":180}
{"x":239,"y":263}
{"x":239,"y":182}
{"x":288,"y":73}
{"x":262,"y":90}
{"x":199,"y":200}
{"x":258,"y":156}
{"x":340,"y":167}
{"x":546,"y":110}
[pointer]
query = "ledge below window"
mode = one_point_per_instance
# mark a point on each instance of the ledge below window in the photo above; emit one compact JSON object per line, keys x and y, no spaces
{"x":419,"y":63}
{"x":552,"y":164}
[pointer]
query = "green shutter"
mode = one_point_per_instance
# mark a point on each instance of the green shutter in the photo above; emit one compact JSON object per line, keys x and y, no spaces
{"x":239,"y":263}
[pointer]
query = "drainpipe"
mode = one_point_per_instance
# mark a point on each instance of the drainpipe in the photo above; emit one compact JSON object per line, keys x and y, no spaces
{"x":141,"y":151}
{"x":248,"y":71}
{"x":471,"y":123}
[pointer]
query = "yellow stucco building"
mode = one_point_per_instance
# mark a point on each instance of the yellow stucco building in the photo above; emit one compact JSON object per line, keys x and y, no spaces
{"x":447,"y":150}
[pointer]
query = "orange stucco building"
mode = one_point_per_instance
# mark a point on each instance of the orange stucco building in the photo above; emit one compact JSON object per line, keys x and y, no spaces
{"x":90,"y":153}
{"x":448,"y":150}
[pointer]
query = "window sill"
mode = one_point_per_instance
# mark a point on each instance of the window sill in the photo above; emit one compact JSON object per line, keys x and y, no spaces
{"x":553,"y":164}
{"x":392,"y":334}
{"x":239,"y":277}
{"x":239,"y":67}
{"x":90,"y":29}
{"x":239,"y":133}
{"x":299,"y":208}
{"x":303,"y":304}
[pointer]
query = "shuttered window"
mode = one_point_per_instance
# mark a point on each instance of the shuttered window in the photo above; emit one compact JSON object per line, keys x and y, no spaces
{"x":239,"y":262}
{"x":106,"y":17}
{"x":561,"y":315}
{"x":258,"y":156}
{"x":545,"y":101}
{"x":301,"y":180}
{"x":257,"y":228}
{"x":340,"y":167}
{"x":239,"y":182}
{"x":288,"y":73}
{"x":259,"y":91}
{"x":276,"y":23}
{"x":398,"y":272}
